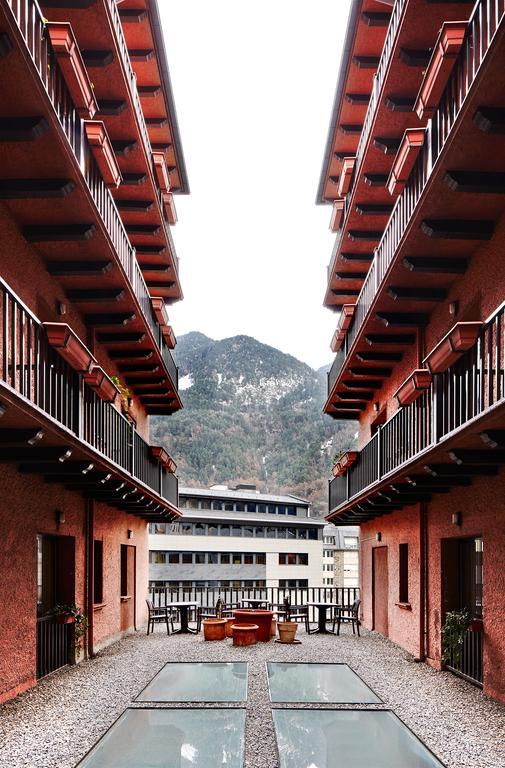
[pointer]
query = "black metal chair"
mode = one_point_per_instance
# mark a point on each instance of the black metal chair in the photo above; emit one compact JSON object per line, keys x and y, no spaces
{"x":348,"y":616}
{"x":157,"y":615}
{"x":220,"y":610}
{"x":287,"y":612}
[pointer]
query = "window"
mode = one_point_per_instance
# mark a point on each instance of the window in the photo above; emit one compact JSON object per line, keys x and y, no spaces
{"x":224,"y":530}
{"x":251,"y":507}
{"x":228,"y":506}
{"x":124,"y":571}
{"x":291,"y":510}
{"x":293,"y":558}
{"x":174,"y":558}
{"x":281,"y":509}
{"x":282,"y":558}
{"x":187,"y":558}
{"x":212,"y":558}
{"x":302,"y":533}
{"x":158,"y":558}
{"x":262,"y":508}
{"x":352,"y":541}
{"x":183,"y":502}
{"x":312,"y":534}
{"x":186,"y":529}
{"x":271,"y":532}
{"x":239,"y":506}
{"x":271,"y":509}
{"x":291,"y":533}
{"x":211,"y":529}
{"x":199,"y":529}
{"x":248,"y":530}
{"x":205,"y":504}
{"x":404,"y":573}
{"x":293,"y":583}
{"x":236,"y":530}
{"x":98,"y":571}
{"x":259,"y":532}
{"x":199,"y":558}
{"x":217,"y":505}
{"x":237,"y":558}
{"x":158,"y":528}
{"x":281,"y":533}
{"x":225,"y":558}
{"x":261,"y":558}
{"x":248,"y":558}
{"x":193,"y":503}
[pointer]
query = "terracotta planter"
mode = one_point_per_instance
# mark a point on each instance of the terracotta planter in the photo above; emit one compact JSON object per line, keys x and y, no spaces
{"x":104,"y":154}
{"x":460,"y":338}
{"x":344,"y":462}
{"x":69,"y":346}
{"x":229,"y":627}
{"x":287,"y":631}
{"x":418,"y":381}
{"x":437,"y":73}
{"x":262,"y":618}
{"x":244,"y":634}
{"x":64,"y":618}
{"x":214,"y":629}
{"x":411,"y":145}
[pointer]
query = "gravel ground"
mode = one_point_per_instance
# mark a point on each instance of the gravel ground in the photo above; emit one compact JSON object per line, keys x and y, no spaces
{"x":54,"y":724}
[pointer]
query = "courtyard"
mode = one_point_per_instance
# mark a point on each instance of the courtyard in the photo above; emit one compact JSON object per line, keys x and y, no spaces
{"x":55,"y":724}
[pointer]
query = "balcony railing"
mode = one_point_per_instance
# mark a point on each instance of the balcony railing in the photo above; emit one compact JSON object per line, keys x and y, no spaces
{"x":482,"y":26}
{"x":29,"y":18}
{"x":30,"y":367}
{"x":464,"y":392}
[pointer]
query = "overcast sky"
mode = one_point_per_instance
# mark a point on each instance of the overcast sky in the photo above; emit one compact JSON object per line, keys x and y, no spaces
{"x":253,"y":85}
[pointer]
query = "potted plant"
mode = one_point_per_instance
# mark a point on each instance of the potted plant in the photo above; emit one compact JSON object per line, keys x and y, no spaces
{"x":214,"y":629}
{"x":343,"y":460}
{"x":125,"y":398}
{"x":454,"y":630}
{"x":287,"y":631}
{"x":71,"y":614}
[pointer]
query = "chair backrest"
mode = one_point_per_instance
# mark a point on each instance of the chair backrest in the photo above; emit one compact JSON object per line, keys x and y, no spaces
{"x":355,"y":608}
{"x":150,"y":606}
{"x":219,"y":608}
{"x":287,"y":608}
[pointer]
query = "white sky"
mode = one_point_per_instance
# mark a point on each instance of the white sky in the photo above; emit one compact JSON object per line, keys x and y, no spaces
{"x":254,"y":85}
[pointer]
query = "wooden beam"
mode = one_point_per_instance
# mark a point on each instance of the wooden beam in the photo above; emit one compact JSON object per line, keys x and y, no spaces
{"x":22,"y":128}
{"x":120,"y":338}
{"x":352,"y":257}
{"x":351,"y":129}
{"x":46,"y":233}
{"x":357,"y":99}
{"x":46,"y":468}
{"x":5,"y":45}
{"x":403,"y":319}
{"x":79,"y":268}
{"x":134,"y":206}
{"x":379,"y":373}
{"x":358,"y":396}
{"x":393,"y":338}
{"x":350,"y":275}
{"x":415,"y":57}
{"x":417,"y":293}
{"x":379,"y":357}
{"x":463,"y":456}
{"x":375,"y":19}
{"x":123,"y":147}
{"x":149,"y":91}
{"x":30,"y":189}
{"x":133,"y":179}
{"x":365,"y":235}
{"x":130,"y":354}
{"x":376,"y":179}
{"x":36,"y":455}
{"x":97,"y":59}
{"x":20,"y":436}
{"x":110,"y":318}
{"x":363,"y":384}
{"x":155,"y":392}
{"x":365,"y":209}
{"x":436,"y":265}
{"x":158,"y":268}
{"x":344,"y":291}
{"x":458,"y":229}
{"x":366,"y":62}
{"x":138,"y":367}
{"x":141,"y":54}
{"x":400,"y":103}
{"x":132,"y":15}
{"x":143,"y":229}
{"x":154,"y":401}
{"x":455,"y":470}
{"x":490,"y":120}
{"x":493,"y":438}
{"x":343,"y":415}
{"x":476,"y":181}
{"x":95,"y":295}
{"x":426,"y":481}
{"x":111,"y":107}
{"x":389,"y":146}
{"x":150,"y":250}
{"x":140,"y":381}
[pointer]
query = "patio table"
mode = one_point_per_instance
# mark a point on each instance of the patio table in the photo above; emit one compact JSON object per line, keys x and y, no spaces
{"x":256,"y":602}
{"x":322,"y":609}
{"x":183,"y":608}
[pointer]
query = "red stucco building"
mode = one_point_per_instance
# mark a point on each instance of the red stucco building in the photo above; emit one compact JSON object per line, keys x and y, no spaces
{"x":414,"y":169}
{"x":90,"y":160}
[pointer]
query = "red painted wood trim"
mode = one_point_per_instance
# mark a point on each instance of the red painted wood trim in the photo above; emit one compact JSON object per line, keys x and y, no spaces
{"x":460,"y":338}
{"x":160,"y":168}
{"x":169,"y":205}
{"x":413,"y":387}
{"x":97,"y":379}
{"x":336,"y":215}
{"x":160,"y":310}
{"x":442,"y":60}
{"x":344,"y":181}
{"x":412,"y":141}
{"x":103,"y":153}
{"x":72,"y":65}
{"x":66,"y":342}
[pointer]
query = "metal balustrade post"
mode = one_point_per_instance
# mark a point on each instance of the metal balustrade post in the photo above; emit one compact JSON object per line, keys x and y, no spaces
{"x":379,"y":452}
{"x":132,"y":451}
{"x":435,"y":432}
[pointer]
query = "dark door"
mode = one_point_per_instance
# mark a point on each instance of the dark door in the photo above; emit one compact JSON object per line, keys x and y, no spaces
{"x":127,"y":588}
{"x":380,"y":589}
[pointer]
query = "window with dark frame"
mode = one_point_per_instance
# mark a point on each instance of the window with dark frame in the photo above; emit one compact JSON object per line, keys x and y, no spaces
{"x":97,"y":572}
{"x":403,"y":573}
{"x":124,"y":571}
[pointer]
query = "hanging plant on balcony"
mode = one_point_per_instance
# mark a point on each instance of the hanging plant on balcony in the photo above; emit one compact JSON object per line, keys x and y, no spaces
{"x":454,"y":631}
{"x":125,"y":398}
{"x":71,"y":614}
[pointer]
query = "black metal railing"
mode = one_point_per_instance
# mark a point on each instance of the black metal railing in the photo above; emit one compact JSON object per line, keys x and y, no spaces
{"x":469,"y":388}
{"x":53,"y":645}
{"x":30,"y":21}
{"x":470,"y":663}
{"x":207,"y":596}
{"x":30,"y":367}
{"x":483,"y":24}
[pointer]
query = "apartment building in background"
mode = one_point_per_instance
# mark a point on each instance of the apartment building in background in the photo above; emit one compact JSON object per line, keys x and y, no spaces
{"x":234,"y":539}
{"x":90,"y":164}
{"x":414,"y":172}
{"x":340,"y":556}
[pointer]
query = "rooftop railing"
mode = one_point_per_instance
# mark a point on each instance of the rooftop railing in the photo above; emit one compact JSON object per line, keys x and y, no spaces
{"x":30,"y":21}
{"x":482,"y":26}
{"x":32,"y":369}
{"x":464,"y":392}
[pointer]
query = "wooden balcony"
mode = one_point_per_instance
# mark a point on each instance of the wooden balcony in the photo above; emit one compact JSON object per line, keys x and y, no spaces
{"x":391,"y":280}
{"x":90,"y":253}
{"x":451,"y":419}
{"x":55,"y":425}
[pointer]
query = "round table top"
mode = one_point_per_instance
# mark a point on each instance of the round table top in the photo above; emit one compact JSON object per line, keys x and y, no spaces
{"x":188,"y":604}
{"x":324,"y":605}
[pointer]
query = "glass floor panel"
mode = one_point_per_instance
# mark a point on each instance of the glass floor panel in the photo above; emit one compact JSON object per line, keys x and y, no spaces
{"x":198,"y":681}
{"x":171,"y":738}
{"x":344,"y":738}
{"x":317,"y":683}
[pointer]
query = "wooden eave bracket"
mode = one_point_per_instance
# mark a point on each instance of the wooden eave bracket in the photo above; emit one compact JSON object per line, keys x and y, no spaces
{"x":410,"y":146}
{"x":102,"y":150}
{"x":447,"y":48}
{"x":72,"y":66}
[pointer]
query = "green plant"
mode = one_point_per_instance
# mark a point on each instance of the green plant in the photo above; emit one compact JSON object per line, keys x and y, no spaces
{"x":453,"y":634}
{"x":124,"y":395}
{"x":80,"y":619}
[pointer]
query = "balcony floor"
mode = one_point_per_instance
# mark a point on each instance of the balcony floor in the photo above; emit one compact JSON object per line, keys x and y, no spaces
{"x":56,"y":723}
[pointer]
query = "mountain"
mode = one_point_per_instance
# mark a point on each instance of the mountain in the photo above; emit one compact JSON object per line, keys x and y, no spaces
{"x":252,"y":414}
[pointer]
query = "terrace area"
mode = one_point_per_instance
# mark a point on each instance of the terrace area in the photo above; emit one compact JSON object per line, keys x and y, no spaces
{"x":57,"y":723}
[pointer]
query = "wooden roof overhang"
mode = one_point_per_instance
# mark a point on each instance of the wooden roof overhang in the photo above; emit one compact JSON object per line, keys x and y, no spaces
{"x":99,"y":33}
{"x":368,"y":203}
{"x":457,"y":212}
{"x":43,"y":187}
{"x":476,"y":450}
{"x":40,"y":445}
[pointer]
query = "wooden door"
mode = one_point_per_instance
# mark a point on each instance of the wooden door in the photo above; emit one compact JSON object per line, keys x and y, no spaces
{"x":380,"y":588}
{"x":127,"y":589}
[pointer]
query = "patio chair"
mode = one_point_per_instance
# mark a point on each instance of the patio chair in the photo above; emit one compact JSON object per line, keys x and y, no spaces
{"x":221,"y":609}
{"x":349,"y":616}
{"x":287,"y":612}
{"x":157,"y":615}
